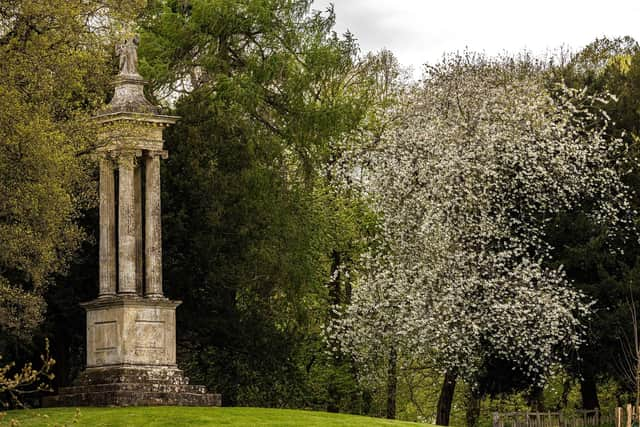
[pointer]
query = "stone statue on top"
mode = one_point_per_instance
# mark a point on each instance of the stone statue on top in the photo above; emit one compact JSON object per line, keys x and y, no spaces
{"x":128,"y":53}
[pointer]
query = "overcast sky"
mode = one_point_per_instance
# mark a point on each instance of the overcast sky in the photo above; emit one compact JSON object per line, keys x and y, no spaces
{"x":419,"y":31}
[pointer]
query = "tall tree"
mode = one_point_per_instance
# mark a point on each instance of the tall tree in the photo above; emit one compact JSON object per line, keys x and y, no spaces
{"x":55,"y":63}
{"x":611,"y":65}
{"x":468,"y":184}
{"x":267,"y":94}
{"x":54,"y":70}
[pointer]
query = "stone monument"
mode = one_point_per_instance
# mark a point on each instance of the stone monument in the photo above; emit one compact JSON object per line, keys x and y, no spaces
{"x":131,"y":326}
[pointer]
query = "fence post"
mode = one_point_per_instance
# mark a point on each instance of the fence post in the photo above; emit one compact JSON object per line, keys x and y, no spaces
{"x":618,"y":416}
{"x":496,"y":419}
{"x":629,"y":414}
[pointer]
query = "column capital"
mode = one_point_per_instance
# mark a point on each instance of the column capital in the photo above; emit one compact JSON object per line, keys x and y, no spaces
{"x":164,"y":154}
{"x":105,"y":159}
{"x":126,"y":158}
{"x":103,"y":155}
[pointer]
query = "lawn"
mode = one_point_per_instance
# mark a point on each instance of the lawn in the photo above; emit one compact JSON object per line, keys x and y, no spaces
{"x":189,"y":416}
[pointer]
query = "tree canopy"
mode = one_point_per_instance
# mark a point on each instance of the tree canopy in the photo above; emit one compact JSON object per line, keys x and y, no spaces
{"x":54,"y":69}
{"x":267,"y":94}
{"x":468,"y":183}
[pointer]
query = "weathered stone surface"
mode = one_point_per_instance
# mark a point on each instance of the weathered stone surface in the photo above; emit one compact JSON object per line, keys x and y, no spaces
{"x":126,"y":224}
{"x":131,"y":330}
{"x":132,"y":395}
{"x":133,"y":386}
{"x":138,"y":207}
{"x":128,"y":53}
{"x":132,"y":374}
{"x":133,"y":131}
{"x":129,"y":96}
{"x":107,"y":228}
{"x":153,"y":227}
{"x":129,"y":91}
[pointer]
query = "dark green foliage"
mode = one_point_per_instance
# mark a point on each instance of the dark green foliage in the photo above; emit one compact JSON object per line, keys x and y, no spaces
{"x":251,"y":221}
{"x":249,"y":254}
{"x":604,"y":274}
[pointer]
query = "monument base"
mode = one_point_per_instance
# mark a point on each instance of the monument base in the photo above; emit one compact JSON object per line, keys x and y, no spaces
{"x":131,"y":358}
{"x":132,"y":386}
{"x":126,"y":330}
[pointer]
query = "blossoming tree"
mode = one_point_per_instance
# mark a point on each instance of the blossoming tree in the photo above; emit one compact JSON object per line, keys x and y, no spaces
{"x":467,"y":183}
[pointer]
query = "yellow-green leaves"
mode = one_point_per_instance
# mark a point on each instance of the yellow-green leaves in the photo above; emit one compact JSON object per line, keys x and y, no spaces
{"x":55,"y":70}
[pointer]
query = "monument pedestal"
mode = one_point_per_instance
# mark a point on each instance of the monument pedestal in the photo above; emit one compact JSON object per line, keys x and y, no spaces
{"x":131,"y":330}
{"x":131,"y":358}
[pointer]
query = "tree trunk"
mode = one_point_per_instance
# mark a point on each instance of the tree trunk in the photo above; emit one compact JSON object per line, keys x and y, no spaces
{"x":392,"y":384}
{"x":536,"y":399}
{"x":334,"y":283}
{"x":445,"y":400}
{"x":589,"y":391}
{"x":367,"y":402}
{"x":332,"y":391}
{"x":564,"y":399}
{"x":473,"y":408}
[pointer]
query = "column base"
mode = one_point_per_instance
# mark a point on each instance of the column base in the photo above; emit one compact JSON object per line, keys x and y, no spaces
{"x":103,"y":296}
{"x":131,"y":358}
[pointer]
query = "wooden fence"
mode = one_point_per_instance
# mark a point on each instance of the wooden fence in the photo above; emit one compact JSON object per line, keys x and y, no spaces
{"x":578,"y":418}
{"x":627,"y":417}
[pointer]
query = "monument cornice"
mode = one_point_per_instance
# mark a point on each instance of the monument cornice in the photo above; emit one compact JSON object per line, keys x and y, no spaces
{"x":129,"y":301}
{"x":146,"y":118}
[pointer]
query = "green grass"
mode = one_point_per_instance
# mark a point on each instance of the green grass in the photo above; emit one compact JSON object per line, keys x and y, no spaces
{"x":189,"y":416}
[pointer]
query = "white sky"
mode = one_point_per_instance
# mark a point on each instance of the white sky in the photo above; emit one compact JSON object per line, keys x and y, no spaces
{"x":419,"y":31}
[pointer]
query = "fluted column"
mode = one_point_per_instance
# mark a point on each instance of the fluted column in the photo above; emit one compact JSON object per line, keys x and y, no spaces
{"x":137,"y":183}
{"x":107,"y":255}
{"x":153,"y":225}
{"x":126,"y":224}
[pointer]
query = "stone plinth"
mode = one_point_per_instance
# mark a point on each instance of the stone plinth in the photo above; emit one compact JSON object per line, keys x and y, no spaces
{"x":133,"y":386}
{"x":131,"y":330}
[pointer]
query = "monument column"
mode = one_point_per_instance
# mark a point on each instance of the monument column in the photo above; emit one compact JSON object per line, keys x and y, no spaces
{"x":126,"y":224}
{"x":131,"y":338}
{"x":153,"y":225}
{"x":138,"y":196}
{"x":107,"y":228}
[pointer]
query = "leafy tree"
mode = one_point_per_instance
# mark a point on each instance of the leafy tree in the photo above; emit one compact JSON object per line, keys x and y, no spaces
{"x":253,"y":230}
{"x":55,"y":62}
{"x":611,"y":65}
{"x":468,"y":184}
{"x":52,"y":65}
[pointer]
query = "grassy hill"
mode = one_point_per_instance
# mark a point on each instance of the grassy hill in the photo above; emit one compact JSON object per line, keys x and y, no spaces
{"x":188,"y":416}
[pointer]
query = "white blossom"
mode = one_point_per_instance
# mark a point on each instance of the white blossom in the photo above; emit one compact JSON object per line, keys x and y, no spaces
{"x":467,"y":181}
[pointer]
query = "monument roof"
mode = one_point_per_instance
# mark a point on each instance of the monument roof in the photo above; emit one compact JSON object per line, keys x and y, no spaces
{"x":129,"y":96}
{"x":129,"y":101}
